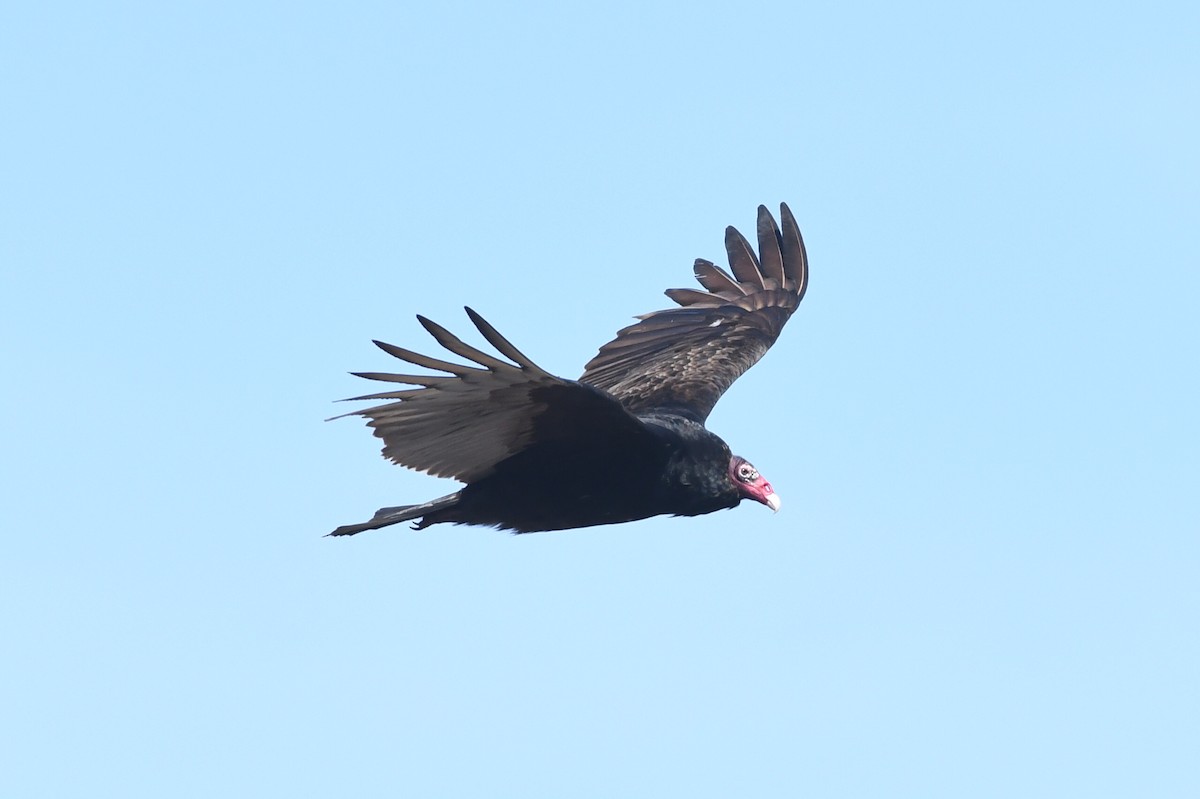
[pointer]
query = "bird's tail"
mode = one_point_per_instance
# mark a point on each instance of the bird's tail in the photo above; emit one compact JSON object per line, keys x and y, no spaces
{"x":388,"y":516}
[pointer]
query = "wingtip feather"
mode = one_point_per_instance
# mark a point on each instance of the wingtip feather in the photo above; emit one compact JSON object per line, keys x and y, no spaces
{"x":742,"y":260}
{"x":770,"y":255}
{"x":502,"y":345}
{"x":795,"y":256}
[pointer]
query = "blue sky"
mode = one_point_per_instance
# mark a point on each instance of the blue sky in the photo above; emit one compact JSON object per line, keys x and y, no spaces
{"x":982,"y":420}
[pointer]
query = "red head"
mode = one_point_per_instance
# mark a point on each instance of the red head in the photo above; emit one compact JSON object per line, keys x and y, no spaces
{"x":751,"y":484}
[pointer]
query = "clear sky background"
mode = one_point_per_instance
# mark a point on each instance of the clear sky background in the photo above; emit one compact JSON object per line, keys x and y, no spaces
{"x":982,"y":421}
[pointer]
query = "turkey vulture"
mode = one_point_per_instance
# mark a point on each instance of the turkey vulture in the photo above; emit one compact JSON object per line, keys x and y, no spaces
{"x":626,"y":440}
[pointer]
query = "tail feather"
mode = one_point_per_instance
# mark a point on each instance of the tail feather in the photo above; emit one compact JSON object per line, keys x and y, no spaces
{"x":389,"y":516}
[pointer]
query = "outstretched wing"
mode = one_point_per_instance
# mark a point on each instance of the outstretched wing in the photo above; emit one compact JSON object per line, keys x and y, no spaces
{"x":685,"y":358}
{"x":465,"y":422}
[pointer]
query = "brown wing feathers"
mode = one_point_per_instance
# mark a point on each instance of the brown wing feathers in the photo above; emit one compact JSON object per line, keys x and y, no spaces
{"x":782,"y":263}
{"x":462,"y":425}
{"x":687,"y":357}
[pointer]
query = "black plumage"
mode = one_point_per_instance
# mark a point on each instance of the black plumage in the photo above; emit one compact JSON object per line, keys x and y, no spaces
{"x":627,"y":440}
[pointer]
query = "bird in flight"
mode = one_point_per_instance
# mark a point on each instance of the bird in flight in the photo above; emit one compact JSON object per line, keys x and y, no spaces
{"x":626,"y":440}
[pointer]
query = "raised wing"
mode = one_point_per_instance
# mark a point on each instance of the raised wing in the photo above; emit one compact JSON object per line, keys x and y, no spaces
{"x":683,"y":359}
{"x":464,"y":423}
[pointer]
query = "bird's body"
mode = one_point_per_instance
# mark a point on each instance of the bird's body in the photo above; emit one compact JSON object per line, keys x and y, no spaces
{"x":564,"y":487}
{"x":625,"y":442}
